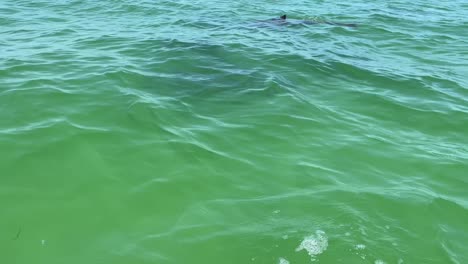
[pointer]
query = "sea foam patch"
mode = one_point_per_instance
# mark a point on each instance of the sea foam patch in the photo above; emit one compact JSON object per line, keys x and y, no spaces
{"x":360,"y":247}
{"x":314,"y":244}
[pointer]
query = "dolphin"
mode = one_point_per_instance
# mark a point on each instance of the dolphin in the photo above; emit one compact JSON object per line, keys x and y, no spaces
{"x":282,"y":20}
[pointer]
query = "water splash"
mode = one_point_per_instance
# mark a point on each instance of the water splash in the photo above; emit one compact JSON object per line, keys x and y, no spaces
{"x":314,"y":244}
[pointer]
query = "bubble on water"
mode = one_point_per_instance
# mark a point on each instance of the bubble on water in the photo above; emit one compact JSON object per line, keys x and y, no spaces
{"x":43,"y":242}
{"x":347,"y":234}
{"x":388,"y":227}
{"x":314,"y":244}
{"x":379,"y":262}
{"x":360,"y":247}
{"x":276,"y":211}
{"x":400,"y":261}
{"x":283,"y":261}
{"x":285,"y":237}
{"x":360,"y":250}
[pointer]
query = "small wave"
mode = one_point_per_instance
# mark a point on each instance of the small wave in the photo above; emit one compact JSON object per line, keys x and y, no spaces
{"x":33,"y":126}
{"x":89,"y":128}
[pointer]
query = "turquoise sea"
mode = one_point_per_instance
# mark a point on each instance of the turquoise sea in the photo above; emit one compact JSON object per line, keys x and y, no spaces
{"x":138,"y":131}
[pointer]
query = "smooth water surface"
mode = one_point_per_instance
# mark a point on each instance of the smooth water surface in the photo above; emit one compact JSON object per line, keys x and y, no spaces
{"x":193,"y":132}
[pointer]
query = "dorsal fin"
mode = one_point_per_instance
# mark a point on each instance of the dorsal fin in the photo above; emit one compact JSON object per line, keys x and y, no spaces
{"x":283,"y":17}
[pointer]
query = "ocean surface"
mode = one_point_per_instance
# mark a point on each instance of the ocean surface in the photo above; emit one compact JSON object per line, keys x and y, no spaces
{"x":202,"y":132}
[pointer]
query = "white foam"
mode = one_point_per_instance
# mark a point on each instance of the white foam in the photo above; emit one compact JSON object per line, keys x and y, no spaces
{"x":314,"y":244}
{"x":360,"y":247}
{"x":283,"y":261}
{"x":285,"y":237}
{"x":379,"y":262}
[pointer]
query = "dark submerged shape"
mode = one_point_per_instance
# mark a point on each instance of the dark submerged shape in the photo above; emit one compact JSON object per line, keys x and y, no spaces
{"x":341,"y":24}
{"x":282,"y":19}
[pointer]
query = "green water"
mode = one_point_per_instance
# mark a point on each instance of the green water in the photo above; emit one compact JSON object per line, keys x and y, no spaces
{"x":192,"y":132}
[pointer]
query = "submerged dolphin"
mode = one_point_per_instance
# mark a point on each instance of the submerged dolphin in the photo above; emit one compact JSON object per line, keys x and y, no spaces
{"x":283,"y":20}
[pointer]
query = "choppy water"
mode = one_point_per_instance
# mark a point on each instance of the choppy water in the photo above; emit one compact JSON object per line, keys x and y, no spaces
{"x":189,"y":132}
